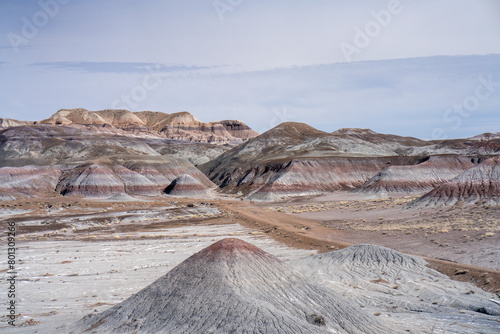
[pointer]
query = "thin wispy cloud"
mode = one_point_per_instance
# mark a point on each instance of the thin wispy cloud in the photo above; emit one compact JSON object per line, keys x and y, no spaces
{"x":121,"y":67}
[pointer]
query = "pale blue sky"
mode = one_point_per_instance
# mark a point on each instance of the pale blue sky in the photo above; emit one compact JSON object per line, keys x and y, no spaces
{"x":420,"y":68}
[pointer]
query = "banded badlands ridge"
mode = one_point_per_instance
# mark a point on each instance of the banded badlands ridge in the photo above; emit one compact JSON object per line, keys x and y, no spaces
{"x":117,"y":152}
{"x":295,"y":159}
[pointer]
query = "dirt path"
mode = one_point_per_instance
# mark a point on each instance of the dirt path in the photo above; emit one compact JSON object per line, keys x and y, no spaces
{"x":308,"y":234}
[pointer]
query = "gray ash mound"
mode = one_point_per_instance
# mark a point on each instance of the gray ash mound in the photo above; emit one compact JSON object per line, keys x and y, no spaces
{"x":381,"y":279}
{"x":186,"y":185}
{"x":479,"y":183}
{"x":233,"y":287}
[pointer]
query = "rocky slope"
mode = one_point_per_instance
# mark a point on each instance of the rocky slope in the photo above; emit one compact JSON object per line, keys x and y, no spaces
{"x":421,"y":177}
{"x":233,"y":287}
{"x":477,"y":184}
{"x":292,"y":159}
{"x":182,"y":125}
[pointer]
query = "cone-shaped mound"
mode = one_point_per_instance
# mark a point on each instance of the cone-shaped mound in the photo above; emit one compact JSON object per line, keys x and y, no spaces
{"x":233,"y":287}
{"x":186,"y":185}
{"x":292,"y":131}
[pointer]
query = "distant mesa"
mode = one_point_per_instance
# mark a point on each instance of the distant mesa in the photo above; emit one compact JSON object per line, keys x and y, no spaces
{"x":480,"y":183}
{"x":233,"y":287}
{"x":487,"y":136}
{"x":378,"y":138}
{"x":181,"y":125}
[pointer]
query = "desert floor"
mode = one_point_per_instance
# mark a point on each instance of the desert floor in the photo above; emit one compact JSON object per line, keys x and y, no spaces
{"x":78,"y":256}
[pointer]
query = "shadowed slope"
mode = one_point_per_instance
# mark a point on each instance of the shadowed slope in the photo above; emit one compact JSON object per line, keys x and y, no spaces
{"x":233,"y":287}
{"x":186,"y":185}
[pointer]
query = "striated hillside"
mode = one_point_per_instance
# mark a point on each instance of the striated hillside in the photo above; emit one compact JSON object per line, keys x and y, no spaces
{"x":295,"y":159}
{"x":187,"y":186}
{"x":309,"y":176}
{"x":479,"y":183}
{"x":29,"y":181}
{"x":41,"y":160}
{"x":421,"y":177}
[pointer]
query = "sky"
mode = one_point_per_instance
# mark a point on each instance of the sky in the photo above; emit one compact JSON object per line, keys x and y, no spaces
{"x":428,"y":69}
